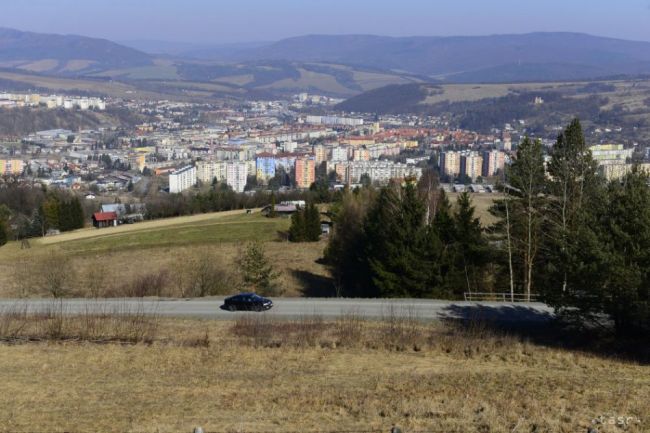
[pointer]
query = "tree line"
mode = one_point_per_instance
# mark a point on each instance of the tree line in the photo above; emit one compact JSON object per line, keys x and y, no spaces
{"x":28,"y":211}
{"x":563,"y":232}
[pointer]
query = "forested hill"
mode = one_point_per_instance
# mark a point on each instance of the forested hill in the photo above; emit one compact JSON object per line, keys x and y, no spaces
{"x":22,"y":121}
{"x":494,"y":58}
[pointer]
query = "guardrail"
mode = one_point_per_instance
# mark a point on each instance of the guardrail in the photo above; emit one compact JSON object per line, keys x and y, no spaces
{"x":501,"y":297}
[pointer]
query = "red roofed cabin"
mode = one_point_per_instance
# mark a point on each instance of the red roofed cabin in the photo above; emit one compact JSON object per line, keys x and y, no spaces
{"x":104,"y":219}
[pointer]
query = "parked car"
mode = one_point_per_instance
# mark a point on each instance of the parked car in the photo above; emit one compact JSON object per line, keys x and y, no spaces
{"x":247,"y":302}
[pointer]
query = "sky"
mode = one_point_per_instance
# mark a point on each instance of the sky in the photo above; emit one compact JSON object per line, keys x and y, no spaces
{"x":228,"y":21}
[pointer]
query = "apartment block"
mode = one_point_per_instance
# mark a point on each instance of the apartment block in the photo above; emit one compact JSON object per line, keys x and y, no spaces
{"x":305,"y":172}
{"x":11,"y":167}
{"x":182,"y":179}
{"x":493,"y":162}
{"x":378,"y":171}
{"x":207,"y":171}
{"x":450,"y":163}
{"x":237,"y":175}
{"x":471,"y":165}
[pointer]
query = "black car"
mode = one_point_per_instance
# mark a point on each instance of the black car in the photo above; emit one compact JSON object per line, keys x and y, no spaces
{"x":247,"y":302}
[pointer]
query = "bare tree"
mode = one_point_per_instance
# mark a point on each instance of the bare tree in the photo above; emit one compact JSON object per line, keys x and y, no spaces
{"x":56,"y":274}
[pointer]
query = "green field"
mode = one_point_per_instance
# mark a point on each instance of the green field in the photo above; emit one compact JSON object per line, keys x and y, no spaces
{"x":229,"y":229}
{"x":113,"y":258}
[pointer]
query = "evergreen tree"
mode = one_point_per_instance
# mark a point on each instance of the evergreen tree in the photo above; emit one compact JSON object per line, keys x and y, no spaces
{"x":469,"y":250}
{"x":624,"y":290}
{"x":397,"y":244}
{"x":77,"y":211}
{"x":66,"y":217}
{"x":572,"y":245}
{"x":4,"y":232}
{"x":312,"y":223}
{"x":257,"y":272}
{"x":51,"y":211}
{"x":345,"y":249}
{"x":297,"y":231}
{"x":272,"y":212}
{"x":38,"y":226}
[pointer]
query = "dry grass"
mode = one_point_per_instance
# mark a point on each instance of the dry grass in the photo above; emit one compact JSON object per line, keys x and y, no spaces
{"x":225,"y":377}
{"x":482,"y":203}
{"x":120,"y":324}
{"x":144,"y":258}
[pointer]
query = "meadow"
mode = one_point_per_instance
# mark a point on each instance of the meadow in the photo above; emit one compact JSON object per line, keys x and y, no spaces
{"x":121,"y":261}
{"x":256,"y":374}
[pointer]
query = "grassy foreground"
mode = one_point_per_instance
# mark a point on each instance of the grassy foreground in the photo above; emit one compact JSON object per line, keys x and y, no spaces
{"x":259,"y":375}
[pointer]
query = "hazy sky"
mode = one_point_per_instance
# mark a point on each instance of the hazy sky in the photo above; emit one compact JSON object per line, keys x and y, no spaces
{"x":222,"y":21}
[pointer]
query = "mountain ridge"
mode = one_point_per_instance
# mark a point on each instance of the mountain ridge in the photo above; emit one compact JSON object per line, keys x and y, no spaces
{"x":447,"y":56}
{"x":65,"y":54}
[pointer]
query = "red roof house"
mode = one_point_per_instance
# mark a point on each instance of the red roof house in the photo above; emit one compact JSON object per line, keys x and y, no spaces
{"x":104,"y":219}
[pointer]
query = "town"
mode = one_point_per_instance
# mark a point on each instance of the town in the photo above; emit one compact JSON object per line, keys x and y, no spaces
{"x":261,"y":146}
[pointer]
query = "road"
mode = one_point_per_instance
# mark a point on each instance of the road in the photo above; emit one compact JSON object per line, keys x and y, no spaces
{"x":299,"y":307}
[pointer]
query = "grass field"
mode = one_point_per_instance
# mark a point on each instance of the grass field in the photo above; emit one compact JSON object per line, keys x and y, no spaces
{"x":314,"y":376}
{"x":110,"y":259}
{"x":115,"y":256}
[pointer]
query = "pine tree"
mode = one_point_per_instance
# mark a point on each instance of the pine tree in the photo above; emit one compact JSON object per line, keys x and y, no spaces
{"x":78,"y":214}
{"x":345,"y":249}
{"x":257,"y":272}
{"x":469,"y":248}
{"x":312,"y":223}
{"x":297,"y":231}
{"x":4,"y":232}
{"x":571,"y":243}
{"x":623,"y":290}
{"x":272,"y":212}
{"x":51,"y":210}
{"x":396,"y":244}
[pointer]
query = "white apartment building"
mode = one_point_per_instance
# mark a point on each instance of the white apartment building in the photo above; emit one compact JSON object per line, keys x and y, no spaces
{"x":207,"y":171}
{"x":234,"y":173}
{"x":333,"y":120}
{"x":182,"y":179}
{"x":339,"y":153}
{"x":380,"y":171}
{"x":237,"y":175}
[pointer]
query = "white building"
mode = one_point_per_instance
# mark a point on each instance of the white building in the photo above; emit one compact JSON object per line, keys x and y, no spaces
{"x":207,"y":171}
{"x":182,"y":179}
{"x":380,"y":171}
{"x":334,"y":120}
{"x":237,"y":175}
{"x":339,"y":153}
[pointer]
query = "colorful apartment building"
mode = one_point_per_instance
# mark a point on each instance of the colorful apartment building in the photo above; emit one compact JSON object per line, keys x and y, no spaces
{"x":305,"y":172}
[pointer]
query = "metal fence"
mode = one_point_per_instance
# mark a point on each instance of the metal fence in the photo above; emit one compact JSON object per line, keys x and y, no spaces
{"x":501,"y":297}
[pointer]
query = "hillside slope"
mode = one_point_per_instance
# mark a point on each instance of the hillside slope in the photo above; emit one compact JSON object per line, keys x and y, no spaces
{"x":66,"y":54}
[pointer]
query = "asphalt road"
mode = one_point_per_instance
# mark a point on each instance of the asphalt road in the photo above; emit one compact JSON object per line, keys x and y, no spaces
{"x":293,"y":308}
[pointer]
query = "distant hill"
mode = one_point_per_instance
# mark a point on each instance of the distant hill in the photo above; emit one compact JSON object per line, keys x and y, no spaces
{"x":497,"y":58}
{"x":481,"y":107}
{"x":65,"y":54}
{"x":393,"y":99}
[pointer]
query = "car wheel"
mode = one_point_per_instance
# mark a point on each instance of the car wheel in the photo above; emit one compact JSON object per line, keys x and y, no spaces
{"x":231,"y":308}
